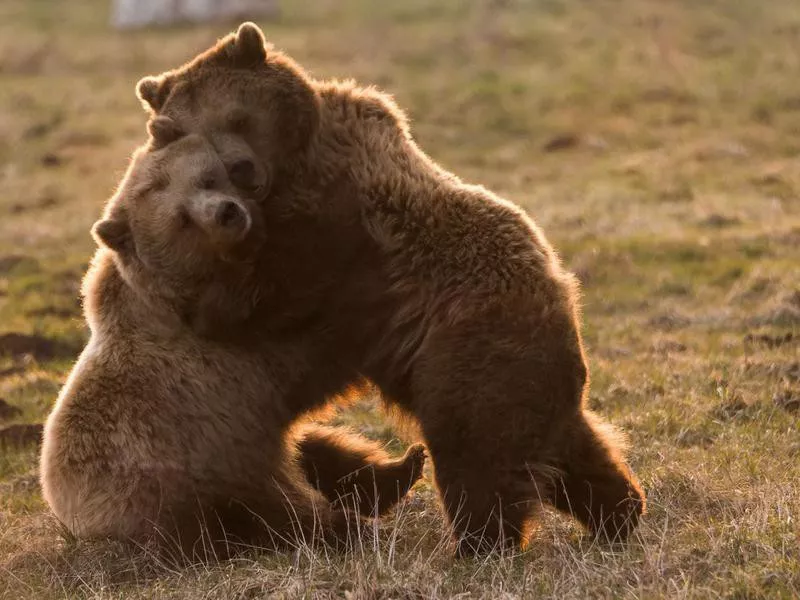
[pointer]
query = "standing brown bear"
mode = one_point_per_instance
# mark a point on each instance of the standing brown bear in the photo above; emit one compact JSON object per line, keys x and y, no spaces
{"x":159,"y":433}
{"x":445,"y":296}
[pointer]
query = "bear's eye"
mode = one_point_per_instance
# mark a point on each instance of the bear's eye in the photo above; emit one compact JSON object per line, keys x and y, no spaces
{"x":206,"y":183}
{"x":156,"y":184}
{"x":238,"y":122}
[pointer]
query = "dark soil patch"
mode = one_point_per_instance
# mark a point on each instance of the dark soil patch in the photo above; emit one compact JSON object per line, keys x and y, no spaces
{"x":669,"y":321}
{"x":16,"y":436}
{"x":84,"y":138}
{"x":42,"y":128}
{"x":770,"y":341}
{"x":14,"y":370}
{"x":52,"y":311}
{"x":47,"y":199}
{"x":788,"y":400}
{"x":41,"y":348}
{"x":561,"y":142}
{"x":7,"y":263}
{"x":718,"y":221}
{"x":51,"y":159}
{"x":8,"y":411}
{"x":667,"y":346}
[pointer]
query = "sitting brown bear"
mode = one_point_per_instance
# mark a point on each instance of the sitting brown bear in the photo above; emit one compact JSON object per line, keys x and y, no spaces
{"x":158,"y":432}
{"x":445,"y":296}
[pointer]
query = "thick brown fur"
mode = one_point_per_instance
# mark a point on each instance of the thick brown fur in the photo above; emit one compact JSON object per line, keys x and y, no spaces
{"x":162,"y":434}
{"x":447,"y":297}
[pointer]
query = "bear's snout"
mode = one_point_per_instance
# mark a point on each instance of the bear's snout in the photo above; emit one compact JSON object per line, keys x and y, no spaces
{"x":223,"y":217}
{"x":229,"y":215}
{"x":232,"y":218}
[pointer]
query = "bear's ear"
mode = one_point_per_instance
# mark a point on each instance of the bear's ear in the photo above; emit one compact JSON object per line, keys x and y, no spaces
{"x":249,"y":46}
{"x":153,"y":92}
{"x":114,"y":233}
{"x":164,"y":131}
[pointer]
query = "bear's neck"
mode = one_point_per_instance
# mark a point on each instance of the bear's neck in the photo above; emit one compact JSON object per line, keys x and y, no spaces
{"x":113,"y":307}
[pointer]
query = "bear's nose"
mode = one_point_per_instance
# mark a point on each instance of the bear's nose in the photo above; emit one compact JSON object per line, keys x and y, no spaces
{"x":230,"y":215}
{"x":243,"y":173}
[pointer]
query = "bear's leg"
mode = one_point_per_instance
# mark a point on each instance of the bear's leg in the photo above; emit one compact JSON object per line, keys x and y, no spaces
{"x":353,"y":471}
{"x":487,"y":489}
{"x":596,"y":486}
{"x":488,"y":510}
{"x":494,"y":397}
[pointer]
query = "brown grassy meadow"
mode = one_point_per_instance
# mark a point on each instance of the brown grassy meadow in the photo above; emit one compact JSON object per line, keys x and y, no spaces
{"x":658,"y":145}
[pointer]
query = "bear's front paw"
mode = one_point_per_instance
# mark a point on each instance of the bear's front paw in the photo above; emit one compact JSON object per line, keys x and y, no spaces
{"x":414,"y":460}
{"x":616,"y":525}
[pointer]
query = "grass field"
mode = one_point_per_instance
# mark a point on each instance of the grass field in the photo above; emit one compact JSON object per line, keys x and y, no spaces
{"x":658,"y":145}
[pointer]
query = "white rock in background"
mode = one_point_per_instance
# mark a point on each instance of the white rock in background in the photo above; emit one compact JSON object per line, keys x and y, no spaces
{"x":129,"y":14}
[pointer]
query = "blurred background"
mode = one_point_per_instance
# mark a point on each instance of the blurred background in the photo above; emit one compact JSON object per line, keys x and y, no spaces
{"x":657,"y":143}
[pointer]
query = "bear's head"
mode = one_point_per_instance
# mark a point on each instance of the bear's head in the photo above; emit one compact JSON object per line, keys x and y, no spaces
{"x":178,"y":229}
{"x":255,"y":105}
{"x":321,"y":144}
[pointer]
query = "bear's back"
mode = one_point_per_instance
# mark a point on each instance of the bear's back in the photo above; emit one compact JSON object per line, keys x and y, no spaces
{"x":459,"y":238}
